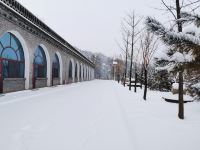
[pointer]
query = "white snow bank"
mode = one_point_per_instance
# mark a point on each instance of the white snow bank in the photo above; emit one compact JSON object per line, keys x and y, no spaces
{"x":96,"y":115}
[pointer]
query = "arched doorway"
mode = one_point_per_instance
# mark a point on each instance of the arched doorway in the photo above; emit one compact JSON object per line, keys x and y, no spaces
{"x":55,"y":70}
{"x":39,"y":68}
{"x":12,"y":64}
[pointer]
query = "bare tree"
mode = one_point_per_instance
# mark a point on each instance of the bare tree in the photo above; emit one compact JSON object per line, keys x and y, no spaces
{"x":124,"y":47}
{"x":149,"y":45}
{"x":137,"y":64}
{"x":131,"y":24}
{"x":126,"y":58}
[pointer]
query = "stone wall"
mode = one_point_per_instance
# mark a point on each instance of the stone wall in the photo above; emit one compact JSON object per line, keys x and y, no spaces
{"x":56,"y":81}
{"x":13,"y":84}
{"x":40,"y":82}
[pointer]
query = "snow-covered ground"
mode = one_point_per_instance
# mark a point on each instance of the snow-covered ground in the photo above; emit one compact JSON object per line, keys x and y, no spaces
{"x":95,"y":115}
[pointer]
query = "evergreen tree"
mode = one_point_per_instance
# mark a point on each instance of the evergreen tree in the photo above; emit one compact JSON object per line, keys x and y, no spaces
{"x":184,"y":48}
{"x":184,"y":51}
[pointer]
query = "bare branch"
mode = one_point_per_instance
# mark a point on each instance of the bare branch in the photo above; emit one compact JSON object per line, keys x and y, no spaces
{"x":169,"y":8}
{"x":193,"y":10}
{"x":191,"y":3}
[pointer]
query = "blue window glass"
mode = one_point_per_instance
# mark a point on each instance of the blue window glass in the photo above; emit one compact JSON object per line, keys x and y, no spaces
{"x":14,"y":43}
{"x":55,"y":67}
{"x":40,"y":65}
{"x":39,"y":56}
{"x":20,"y":55}
{"x":38,"y":60}
{"x":1,"y":48}
{"x":6,"y":40}
{"x":11,"y":52}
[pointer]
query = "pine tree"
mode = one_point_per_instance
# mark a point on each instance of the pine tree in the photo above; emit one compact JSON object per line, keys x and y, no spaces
{"x":184,"y":51}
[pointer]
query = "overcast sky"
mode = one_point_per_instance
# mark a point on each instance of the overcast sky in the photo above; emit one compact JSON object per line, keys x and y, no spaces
{"x":92,"y":25}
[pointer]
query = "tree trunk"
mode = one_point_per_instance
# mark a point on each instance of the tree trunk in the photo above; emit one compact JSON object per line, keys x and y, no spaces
{"x":178,"y":12}
{"x":181,"y":102}
{"x":130,"y":75}
{"x":132,"y":44}
{"x":126,"y":61}
{"x":118,"y":78}
{"x":141,"y":78}
{"x":124,"y":79}
{"x":145,"y":84}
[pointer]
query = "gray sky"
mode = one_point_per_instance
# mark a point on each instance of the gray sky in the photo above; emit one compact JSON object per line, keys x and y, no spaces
{"x":92,"y":25}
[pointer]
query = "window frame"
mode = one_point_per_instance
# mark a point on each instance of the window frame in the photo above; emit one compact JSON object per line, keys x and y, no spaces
{"x":18,"y":63}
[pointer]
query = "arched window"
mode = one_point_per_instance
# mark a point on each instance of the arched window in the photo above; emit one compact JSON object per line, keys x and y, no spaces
{"x":55,"y":67}
{"x":80,"y":70}
{"x":76,"y":71}
{"x":40,"y":63}
{"x":11,"y":56}
{"x":83,"y":73}
{"x":70,"y":69}
{"x":86,"y":73}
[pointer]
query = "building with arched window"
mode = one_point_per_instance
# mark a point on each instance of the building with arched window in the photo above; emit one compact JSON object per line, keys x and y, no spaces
{"x":32,"y":55}
{"x":39,"y":68}
{"x":11,"y":63}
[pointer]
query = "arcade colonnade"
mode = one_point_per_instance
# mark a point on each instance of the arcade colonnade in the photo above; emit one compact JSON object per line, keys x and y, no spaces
{"x":31,"y":57}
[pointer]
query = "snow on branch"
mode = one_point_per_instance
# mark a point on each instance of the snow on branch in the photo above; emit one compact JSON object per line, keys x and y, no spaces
{"x":187,"y":17}
{"x":180,"y":40}
{"x":155,"y":26}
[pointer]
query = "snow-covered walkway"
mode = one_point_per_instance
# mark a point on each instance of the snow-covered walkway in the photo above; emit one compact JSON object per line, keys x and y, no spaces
{"x":95,"y":115}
